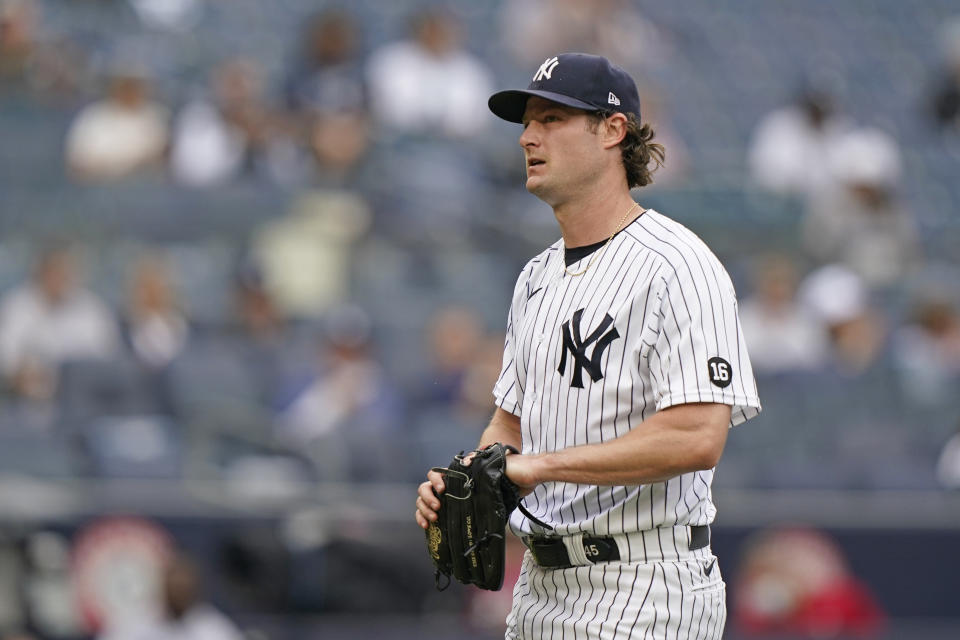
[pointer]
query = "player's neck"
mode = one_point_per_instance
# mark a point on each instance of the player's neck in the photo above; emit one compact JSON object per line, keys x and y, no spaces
{"x":587,"y":221}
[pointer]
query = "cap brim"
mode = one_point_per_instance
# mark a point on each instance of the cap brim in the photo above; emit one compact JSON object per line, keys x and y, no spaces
{"x":511,"y":104}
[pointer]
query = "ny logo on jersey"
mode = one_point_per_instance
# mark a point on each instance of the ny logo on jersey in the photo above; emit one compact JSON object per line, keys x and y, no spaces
{"x":578,"y":346}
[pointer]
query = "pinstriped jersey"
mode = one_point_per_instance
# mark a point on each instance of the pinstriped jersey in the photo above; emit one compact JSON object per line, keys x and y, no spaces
{"x":651,"y":324}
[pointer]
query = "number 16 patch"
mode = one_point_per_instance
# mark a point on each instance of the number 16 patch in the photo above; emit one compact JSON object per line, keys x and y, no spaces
{"x":720,"y":372}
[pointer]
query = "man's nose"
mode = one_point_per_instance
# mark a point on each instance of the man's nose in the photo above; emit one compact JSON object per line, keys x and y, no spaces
{"x":530,"y":135}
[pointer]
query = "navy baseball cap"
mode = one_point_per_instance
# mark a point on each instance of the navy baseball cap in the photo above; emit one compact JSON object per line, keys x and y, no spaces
{"x":578,"y":80}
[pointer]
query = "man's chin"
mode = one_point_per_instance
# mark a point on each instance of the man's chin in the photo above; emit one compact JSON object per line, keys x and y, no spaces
{"x":535,"y":186}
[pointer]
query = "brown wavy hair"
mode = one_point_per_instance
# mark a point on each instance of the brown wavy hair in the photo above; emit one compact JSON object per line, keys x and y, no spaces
{"x":641,"y":155}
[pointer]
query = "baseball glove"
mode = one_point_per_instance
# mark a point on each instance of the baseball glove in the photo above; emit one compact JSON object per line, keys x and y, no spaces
{"x":467,"y":539}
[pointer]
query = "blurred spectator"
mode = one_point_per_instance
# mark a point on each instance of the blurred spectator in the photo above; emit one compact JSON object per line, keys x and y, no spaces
{"x":306,"y":255}
{"x":257,"y":315}
{"x":323,"y":150}
{"x":186,"y":616}
{"x":534,"y":30}
{"x":861,"y":221}
{"x":797,"y":582}
{"x":838,"y":298}
{"x":348,"y":389}
{"x":927,"y":353}
{"x":156,"y":326}
{"x":49,"y":591}
{"x":474,"y":405}
{"x":218,"y":137}
{"x":345,"y":415}
{"x":463,"y":364}
{"x":781,"y":334}
{"x":237,"y":361}
{"x":174,"y":15}
{"x":18,"y":21}
{"x":338,"y":144}
{"x":946,"y":97}
{"x":791,"y":146}
{"x":49,"y":320}
{"x":123,"y":134}
{"x":327,"y":95}
{"x":259,"y":338}
{"x":327,"y":77}
{"x":32,"y":61}
{"x":948,"y":464}
{"x":429,"y":84}
{"x":454,"y":338}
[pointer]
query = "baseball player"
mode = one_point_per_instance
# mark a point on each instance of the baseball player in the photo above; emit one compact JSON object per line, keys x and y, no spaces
{"x":624,"y":367}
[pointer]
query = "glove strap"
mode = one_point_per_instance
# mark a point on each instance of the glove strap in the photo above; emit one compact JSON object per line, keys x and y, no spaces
{"x":482,"y":541}
{"x":532,"y":517}
{"x":437,"y":580}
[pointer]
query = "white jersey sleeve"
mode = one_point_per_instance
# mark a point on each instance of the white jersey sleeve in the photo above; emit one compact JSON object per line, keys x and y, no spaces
{"x":507,"y":393}
{"x":700,"y":354}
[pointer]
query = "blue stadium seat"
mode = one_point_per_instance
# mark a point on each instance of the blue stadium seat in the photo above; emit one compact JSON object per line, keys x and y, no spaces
{"x":137,"y":446}
{"x":211,"y":374}
{"x":439,"y":434}
{"x":41,"y":453}
{"x":88,"y":389}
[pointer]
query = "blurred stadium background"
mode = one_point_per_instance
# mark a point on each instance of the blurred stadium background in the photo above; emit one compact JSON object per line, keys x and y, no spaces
{"x":280,"y":239}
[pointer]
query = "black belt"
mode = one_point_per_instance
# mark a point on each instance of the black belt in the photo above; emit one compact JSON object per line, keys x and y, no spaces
{"x":551,"y":553}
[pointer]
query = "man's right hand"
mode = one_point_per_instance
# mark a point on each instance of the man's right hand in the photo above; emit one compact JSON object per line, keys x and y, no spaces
{"x":427,"y":502}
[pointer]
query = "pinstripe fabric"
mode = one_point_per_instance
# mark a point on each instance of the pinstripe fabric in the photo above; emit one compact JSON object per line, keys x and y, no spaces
{"x":673,"y":337}
{"x":618,"y":600}
{"x":674,"y":308}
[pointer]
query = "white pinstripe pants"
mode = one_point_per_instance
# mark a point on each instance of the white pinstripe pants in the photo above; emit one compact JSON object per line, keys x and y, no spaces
{"x":618,"y":600}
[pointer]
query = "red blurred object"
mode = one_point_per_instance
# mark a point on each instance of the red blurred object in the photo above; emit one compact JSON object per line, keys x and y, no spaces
{"x":117,"y":568}
{"x":796,"y":581}
{"x":842,"y":608}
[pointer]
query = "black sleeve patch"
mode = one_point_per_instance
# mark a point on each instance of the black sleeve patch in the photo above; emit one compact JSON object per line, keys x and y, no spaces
{"x":720,"y":372}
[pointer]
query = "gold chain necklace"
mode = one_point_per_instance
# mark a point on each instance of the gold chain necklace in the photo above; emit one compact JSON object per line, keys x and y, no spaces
{"x":597,"y":253}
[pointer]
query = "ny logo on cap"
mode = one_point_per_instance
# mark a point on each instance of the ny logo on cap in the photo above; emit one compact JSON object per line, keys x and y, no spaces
{"x":546,"y":69}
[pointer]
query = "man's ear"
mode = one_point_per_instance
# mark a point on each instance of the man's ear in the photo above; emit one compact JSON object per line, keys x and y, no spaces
{"x":614,"y":129}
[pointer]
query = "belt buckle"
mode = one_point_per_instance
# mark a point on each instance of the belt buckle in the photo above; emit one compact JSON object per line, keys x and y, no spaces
{"x":532,"y":546}
{"x":537,"y":545}
{"x":699,"y":537}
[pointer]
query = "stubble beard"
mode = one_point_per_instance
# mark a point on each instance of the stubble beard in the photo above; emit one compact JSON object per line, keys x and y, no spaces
{"x":543,"y":191}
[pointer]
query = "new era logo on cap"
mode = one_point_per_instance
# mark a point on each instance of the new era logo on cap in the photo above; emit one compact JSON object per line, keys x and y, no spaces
{"x":578,"y":80}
